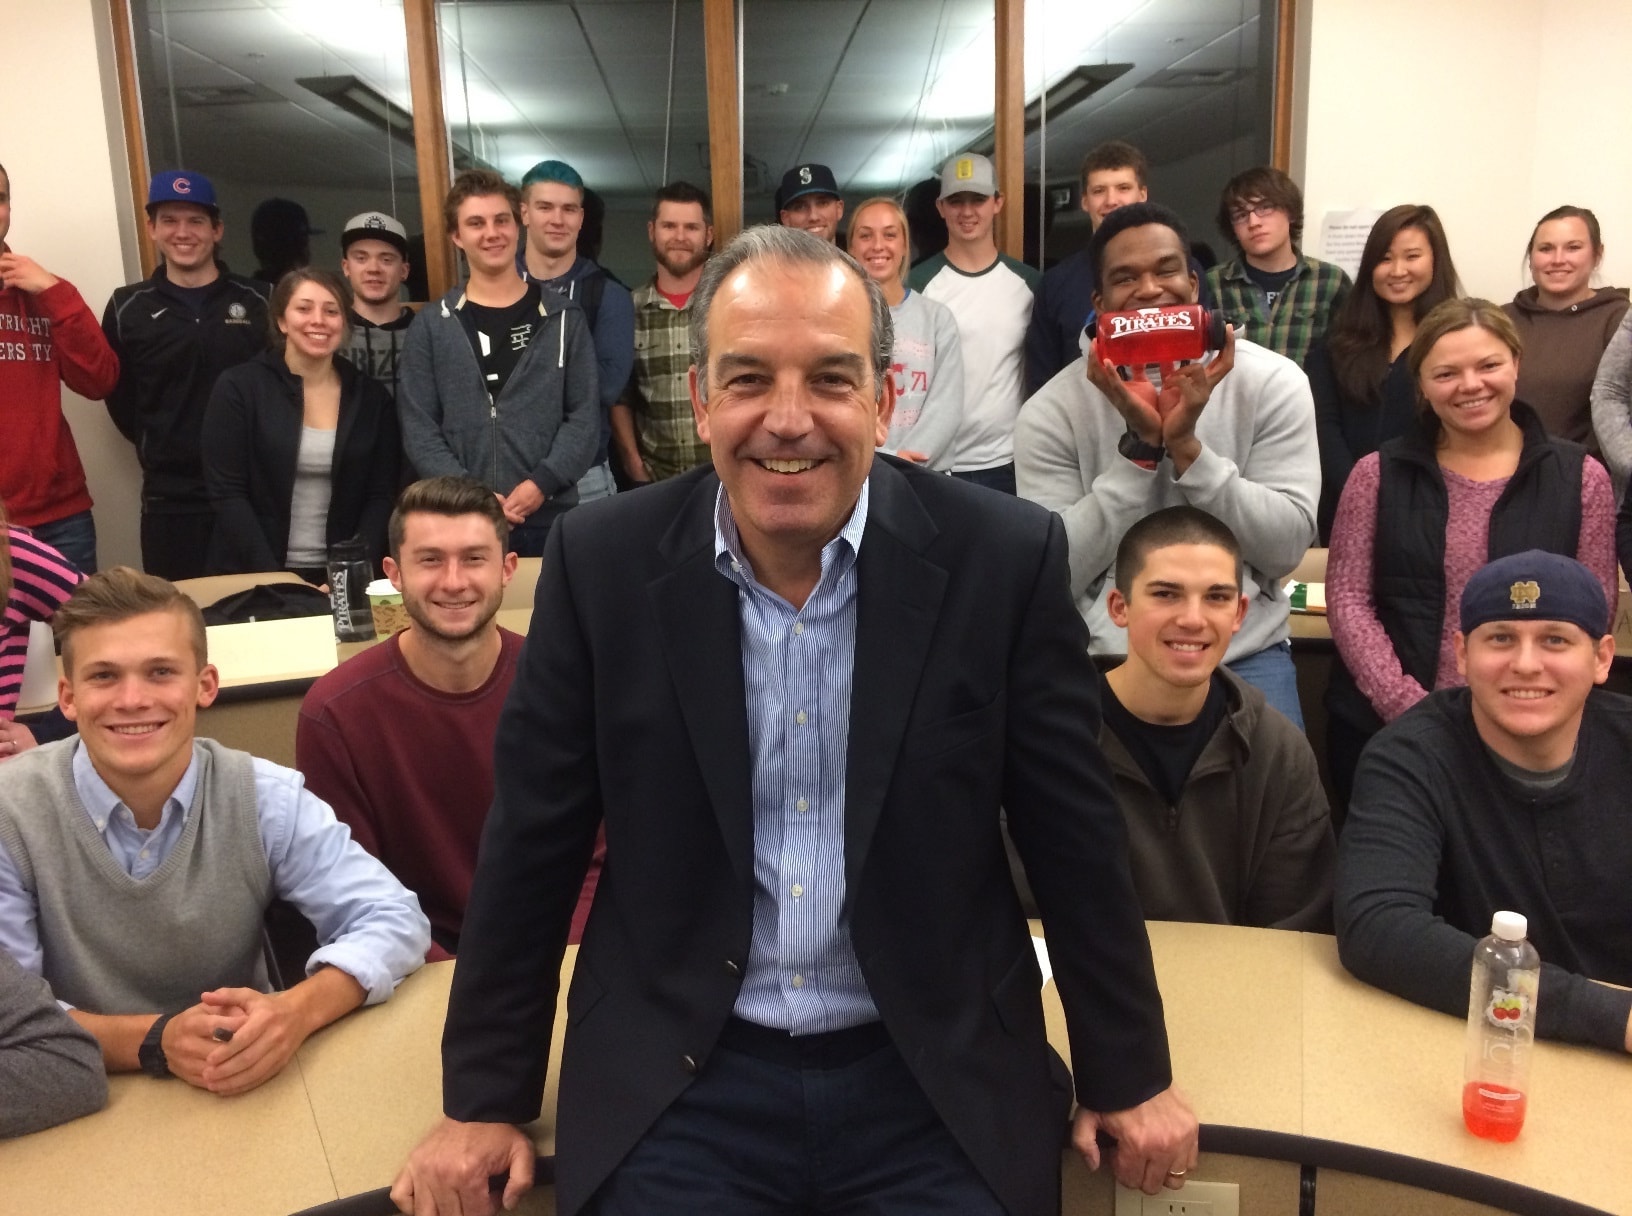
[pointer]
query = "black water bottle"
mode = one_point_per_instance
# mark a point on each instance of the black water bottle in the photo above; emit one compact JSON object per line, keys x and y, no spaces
{"x":349,"y":574}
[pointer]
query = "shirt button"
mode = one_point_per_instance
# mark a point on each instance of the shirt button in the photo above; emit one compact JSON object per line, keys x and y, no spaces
{"x":796,"y":890}
{"x":799,"y":717}
{"x":798,"y":981}
{"x":689,"y":1064}
{"x":801,"y":806}
{"x":737,"y":567}
{"x":798,"y":628}
{"x":732,"y":967}
{"x":144,"y":853}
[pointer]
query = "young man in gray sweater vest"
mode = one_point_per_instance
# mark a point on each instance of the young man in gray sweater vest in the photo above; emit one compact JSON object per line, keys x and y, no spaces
{"x":137,"y":862}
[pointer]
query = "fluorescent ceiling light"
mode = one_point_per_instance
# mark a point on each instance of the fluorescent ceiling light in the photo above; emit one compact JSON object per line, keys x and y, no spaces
{"x":362,"y":100}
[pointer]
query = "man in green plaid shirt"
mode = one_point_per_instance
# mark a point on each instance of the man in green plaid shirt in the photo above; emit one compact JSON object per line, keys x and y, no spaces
{"x":653,"y":429}
{"x":1271,"y":293}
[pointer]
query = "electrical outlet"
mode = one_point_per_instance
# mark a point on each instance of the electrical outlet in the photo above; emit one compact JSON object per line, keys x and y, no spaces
{"x":1194,"y":1198}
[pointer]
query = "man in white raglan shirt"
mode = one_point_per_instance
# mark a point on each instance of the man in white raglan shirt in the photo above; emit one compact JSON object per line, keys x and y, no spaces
{"x":991,"y":297}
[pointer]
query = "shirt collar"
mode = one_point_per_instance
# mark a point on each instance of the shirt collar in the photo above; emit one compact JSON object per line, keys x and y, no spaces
{"x":102,"y":802}
{"x":1236,"y":271}
{"x":731,"y":560}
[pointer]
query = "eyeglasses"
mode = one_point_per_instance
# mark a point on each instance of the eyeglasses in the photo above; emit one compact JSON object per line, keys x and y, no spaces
{"x":1263,"y":210}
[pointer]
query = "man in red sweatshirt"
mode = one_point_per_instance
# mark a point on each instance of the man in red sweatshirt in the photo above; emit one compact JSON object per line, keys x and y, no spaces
{"x":48,"y":338}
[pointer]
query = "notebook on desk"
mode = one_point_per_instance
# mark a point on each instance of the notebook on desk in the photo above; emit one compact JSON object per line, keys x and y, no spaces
{"x":39,"y":691}
{"x":264,"y":652}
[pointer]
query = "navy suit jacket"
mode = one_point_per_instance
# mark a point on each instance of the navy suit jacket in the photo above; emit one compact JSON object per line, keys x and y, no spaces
{"x":973,"y":691}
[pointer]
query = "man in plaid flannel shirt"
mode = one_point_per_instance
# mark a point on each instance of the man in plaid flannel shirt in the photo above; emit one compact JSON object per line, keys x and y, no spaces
{"x":653,"y":429}
{"x":1271,"y":293}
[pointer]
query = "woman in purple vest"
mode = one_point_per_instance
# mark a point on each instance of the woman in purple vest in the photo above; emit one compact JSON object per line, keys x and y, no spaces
{"x":1473,"y":478}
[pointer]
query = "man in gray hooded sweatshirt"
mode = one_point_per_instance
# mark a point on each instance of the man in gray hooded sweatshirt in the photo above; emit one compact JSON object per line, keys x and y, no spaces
{"x":498,"y":378}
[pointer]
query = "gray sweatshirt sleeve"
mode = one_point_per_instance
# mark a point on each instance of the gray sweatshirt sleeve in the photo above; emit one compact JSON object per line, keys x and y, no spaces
{"x":1269,"y":498}
{"x":419,"y":401}
{"x":576,"y":438}
{"x":1065,"y":458}
{"x":942,"y":415}
{"x":1388,"y":934}
{"x":1612,"y":404}
{"x":50,"y":1070}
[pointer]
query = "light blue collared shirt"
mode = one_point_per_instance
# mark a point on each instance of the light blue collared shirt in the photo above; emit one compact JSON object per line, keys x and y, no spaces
{"x":371,"y":924}
{"x":797,"y":667}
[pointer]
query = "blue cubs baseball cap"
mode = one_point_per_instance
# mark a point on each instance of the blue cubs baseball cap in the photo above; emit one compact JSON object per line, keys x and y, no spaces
{"x":181,"y":187}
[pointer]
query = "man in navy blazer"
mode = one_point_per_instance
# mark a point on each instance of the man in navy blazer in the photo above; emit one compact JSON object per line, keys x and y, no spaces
{"x":798,"y":690}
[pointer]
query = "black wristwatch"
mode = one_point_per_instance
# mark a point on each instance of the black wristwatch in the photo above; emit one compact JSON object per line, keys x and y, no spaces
{"x":151,"y":1053}
{"x":1133,"y":448}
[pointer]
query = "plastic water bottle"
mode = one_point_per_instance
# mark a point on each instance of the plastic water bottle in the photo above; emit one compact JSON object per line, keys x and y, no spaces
{"x":349,"y":576}
{"x":1501,"y":1029}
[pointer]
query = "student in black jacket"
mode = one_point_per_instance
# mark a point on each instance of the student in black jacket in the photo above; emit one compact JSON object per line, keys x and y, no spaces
{"x":300,"y":449}
{"x":174,"y":334}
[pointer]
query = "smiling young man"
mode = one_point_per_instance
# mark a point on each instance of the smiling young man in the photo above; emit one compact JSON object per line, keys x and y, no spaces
{"x":808,"y":198}
{"x":498,"y":377}
{"x":1271,"y":292}
{"x":652,"y":424}
{"x":399,"y":739}
{"x":990,"y":296}
{"x":174,"y":334}
{"x":137,"y":862}
{"x":1114,"y":174}
{"x":797,"y":693}
{"x":1507,"y":794}
{"x":552,"y":212}
{"x":1233,"y":435}
{"x":1227,"y":822}
{"x":374,"y":259}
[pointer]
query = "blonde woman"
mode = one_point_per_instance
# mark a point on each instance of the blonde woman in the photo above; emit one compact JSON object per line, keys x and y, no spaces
{"x":927,"y":366}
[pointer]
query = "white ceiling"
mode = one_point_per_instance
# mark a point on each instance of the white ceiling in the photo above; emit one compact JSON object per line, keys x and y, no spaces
{"x":881,"y":90}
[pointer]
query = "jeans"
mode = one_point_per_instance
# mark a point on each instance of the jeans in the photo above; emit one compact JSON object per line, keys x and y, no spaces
{"x":757,"y":1137}
{"x":73,"y":536}
{"x":527,"y":539}
{"x":597,"y":483}
{"x":999,"y":478}
{"x":176,"y":543}
{"x":1271,"y":672}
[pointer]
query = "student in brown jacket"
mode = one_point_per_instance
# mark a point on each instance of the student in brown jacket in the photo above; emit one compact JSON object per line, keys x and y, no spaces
{"x":1227,"y":821}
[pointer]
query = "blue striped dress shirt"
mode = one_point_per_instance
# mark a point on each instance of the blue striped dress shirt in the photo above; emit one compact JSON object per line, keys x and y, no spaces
{"x":802,"y":975}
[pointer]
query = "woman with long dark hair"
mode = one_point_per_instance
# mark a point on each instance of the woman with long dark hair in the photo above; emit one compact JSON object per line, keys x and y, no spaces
{"x":300,"y":449}
{"x":1475,"y":477}
{"x":1565,"y":323}
{"x":1363,"y":392}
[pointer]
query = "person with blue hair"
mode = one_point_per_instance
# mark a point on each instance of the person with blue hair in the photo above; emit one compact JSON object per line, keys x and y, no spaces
{"x":552,"y":211}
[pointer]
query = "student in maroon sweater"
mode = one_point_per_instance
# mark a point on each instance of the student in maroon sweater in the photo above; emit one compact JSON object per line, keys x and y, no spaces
{"x":48,"y":337}
{"x":399,"y":739}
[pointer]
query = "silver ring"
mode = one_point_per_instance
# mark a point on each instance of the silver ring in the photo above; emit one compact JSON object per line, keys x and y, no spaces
{"x":1177,"y":1173}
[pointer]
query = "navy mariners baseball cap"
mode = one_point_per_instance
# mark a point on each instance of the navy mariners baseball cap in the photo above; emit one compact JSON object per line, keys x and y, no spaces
{"x":181,"y":187}
{"x":805,"y":179}
{"x":1535,"y":585}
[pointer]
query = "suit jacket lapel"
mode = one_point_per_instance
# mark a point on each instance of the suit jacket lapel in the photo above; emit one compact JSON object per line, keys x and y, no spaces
{"x":696,"y":611}
{"x":899,"y":596}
